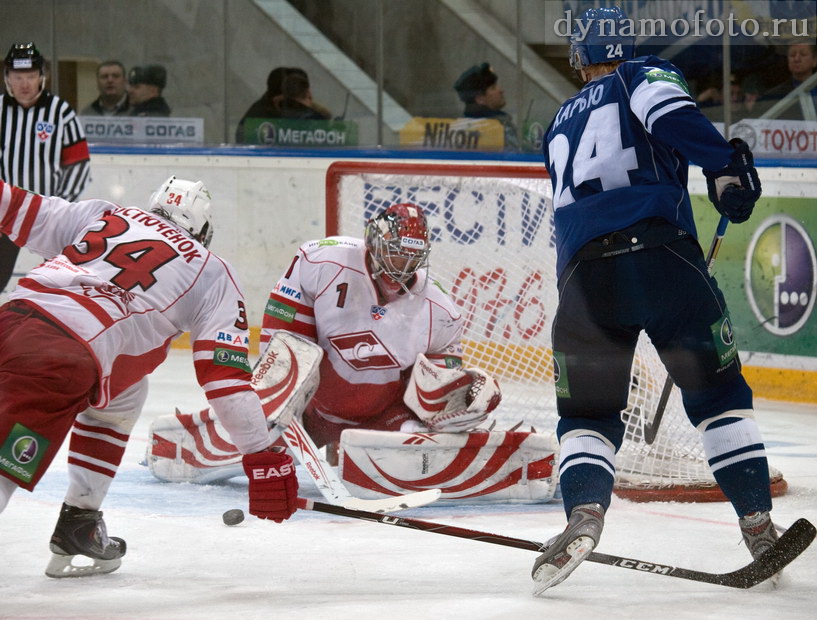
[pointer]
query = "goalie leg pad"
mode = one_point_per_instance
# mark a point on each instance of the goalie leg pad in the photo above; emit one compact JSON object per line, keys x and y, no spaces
{"x":469,"y":468}
{"x":195,"y":448}
{"x":191,"y":448}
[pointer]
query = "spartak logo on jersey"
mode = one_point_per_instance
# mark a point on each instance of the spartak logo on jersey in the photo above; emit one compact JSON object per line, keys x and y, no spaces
{"x":363,"y":350}
{"x":378,"y":312}
{"x":116,"y":295}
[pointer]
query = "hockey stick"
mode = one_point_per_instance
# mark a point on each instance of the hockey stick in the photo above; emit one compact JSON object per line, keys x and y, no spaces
{"x":790,"y":545}
{"x":331,"y":486}
{"x":651,"y":428}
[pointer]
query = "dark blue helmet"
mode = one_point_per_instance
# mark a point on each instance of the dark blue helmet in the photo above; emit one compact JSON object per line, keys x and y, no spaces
{"x":598,"y":37}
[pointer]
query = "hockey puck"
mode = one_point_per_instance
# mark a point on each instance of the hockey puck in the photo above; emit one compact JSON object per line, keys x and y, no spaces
{"x":233,"y":517}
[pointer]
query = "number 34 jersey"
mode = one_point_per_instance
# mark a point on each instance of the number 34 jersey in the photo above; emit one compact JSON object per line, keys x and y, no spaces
{"x":619,"y":151}
{"x":328,"y":296}
{"x":126,"y":282}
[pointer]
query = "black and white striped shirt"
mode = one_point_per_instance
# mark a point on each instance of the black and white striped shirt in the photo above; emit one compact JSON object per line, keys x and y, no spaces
{"x":43,"y":148}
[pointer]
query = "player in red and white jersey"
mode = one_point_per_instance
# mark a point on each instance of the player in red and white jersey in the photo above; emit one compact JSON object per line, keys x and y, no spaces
{"x":372,"y":307}
{"x":88,"y":325}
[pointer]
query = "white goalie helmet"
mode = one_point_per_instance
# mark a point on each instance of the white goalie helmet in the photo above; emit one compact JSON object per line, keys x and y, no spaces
{"x":186,"y":204}
{"x":397,"y":240}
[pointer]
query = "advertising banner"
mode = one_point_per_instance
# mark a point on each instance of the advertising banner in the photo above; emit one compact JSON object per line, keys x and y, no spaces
{"x":767,"y":269}
{"x":778,"y":138}
{"x":142,"y":130}
{"x":456,"y":134}
{"x":289,"y":132}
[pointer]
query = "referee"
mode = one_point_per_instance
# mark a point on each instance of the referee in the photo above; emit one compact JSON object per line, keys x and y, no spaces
{"x":42,"y":145}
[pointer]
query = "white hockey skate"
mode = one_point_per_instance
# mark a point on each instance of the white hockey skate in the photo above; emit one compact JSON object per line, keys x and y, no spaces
{"x":759,"y":534}
{"x":569,"y":549}
{"x":81,"y":535}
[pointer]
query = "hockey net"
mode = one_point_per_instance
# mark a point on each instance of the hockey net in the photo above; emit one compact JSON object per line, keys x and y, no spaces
{"x":493,"y":250}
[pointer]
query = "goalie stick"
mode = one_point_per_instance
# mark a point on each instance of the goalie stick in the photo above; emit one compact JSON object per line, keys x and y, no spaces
{"x":790,"y":545}
{"x":651,"y":428}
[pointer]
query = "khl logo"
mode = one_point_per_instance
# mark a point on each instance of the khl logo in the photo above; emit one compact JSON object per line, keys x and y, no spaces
{"x":25,"y":449}
{"x":44,"y":130}
{"x":378,"y":312}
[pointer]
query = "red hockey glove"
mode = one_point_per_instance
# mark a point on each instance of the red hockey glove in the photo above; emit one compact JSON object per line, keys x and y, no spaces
{"x":273,"y":485}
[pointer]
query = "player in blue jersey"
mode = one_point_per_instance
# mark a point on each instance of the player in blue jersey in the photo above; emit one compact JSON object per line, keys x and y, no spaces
{"x":628,"y":259}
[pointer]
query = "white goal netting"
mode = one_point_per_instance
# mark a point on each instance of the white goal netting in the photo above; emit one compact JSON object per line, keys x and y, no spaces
{"x":492,"y":249}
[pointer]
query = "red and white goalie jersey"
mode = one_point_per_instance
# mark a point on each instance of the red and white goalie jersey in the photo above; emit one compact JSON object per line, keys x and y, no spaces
{"x":328,"y":296}
{"x":128,"y":300}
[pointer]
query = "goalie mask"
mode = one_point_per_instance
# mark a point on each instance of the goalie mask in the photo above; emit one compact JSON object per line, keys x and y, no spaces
{"x":397,"y":241}
{"x":599,"y":37}
{"x":186,"y":204}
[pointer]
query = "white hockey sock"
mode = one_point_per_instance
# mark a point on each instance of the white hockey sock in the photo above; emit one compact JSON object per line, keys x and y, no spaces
{"x":7,"y":487}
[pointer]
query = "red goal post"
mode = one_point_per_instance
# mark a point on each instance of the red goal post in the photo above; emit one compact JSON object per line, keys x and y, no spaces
{"x":492,"y":248}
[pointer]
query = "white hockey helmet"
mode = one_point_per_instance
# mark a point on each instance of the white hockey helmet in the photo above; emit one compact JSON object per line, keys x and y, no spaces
{"x":186,"y":204}
{"x":397,"y":240}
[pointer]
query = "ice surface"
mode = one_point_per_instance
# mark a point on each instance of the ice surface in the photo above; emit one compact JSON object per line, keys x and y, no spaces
{"x":183,"y":562}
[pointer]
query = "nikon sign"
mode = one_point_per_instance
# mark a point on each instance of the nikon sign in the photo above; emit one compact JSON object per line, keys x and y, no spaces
{"x":143,"y":130}
{"x":457,"y":134}
{"x":288,"y":132}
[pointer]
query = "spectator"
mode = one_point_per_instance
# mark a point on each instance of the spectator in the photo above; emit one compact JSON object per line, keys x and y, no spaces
{"x":478,"y":87}
{"x":802,"y":61}
{"x":743,"y":97}
{"x":269,"y":104}
{"x":296,"y":100}
{"x":145,"y":86}
{"x":42,"y":145}
{"x":113,"y":91}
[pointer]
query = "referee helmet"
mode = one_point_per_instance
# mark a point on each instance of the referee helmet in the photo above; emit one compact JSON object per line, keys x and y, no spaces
{"x":24,"y":57}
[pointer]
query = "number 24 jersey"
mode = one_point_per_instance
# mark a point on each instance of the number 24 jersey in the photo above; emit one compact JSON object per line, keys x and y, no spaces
{"x":619,"y":150}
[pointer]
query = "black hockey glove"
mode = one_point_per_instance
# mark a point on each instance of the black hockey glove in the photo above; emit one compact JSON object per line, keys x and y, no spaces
{"x":735,"y":188}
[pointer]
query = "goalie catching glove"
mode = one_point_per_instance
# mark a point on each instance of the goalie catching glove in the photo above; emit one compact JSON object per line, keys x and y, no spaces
{"x":273,"y":488}
{"x":449,"y":400}
{"x":735,"y":188}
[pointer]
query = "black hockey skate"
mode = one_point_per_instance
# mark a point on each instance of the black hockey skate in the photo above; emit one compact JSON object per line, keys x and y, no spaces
{"x":569,"y":549}
{"x":82,"y":532}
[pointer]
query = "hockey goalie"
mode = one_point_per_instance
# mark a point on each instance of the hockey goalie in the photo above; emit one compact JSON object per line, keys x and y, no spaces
{"x":363,"y":348}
